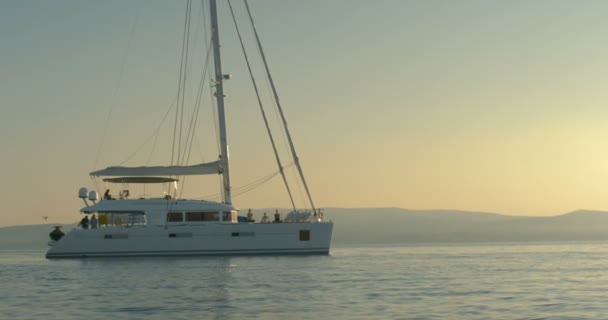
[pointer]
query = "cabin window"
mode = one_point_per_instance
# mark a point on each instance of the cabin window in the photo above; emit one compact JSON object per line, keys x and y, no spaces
{"x":120,"y":218}
{"x":202,"y":216}
{"x":103,"y":219}
{"x":243,"y":234}
{"x":226,"y":216}
{"x":304,"y":235}
{"x":174,"y":217}
{"x":135,"y":218}
{"x":194,"y":216}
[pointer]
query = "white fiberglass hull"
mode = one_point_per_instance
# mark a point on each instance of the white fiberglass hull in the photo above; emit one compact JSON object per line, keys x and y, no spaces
{"x":203,"y":240}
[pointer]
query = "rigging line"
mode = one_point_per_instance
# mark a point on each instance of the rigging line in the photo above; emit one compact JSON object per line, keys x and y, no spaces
{"x":277,"y":117}
{"x":154,"y":145}
{"x":153,"y":135}
{"x":256,"y":182}
{"x":190,"y":135}
{"x":193,"y":121}
{"x":95,"y":183}
{"x":194,"y":118}
{"x":192,"y":132}
{"x":212,"y":104}
{"x":193,"y":30}
{"x":257,"y":93}
{"x":120,"y":77}
{"x":181,"y":122}
{"x":179,"y":86}
{"x":202,"y":160}
{"x":192,"y":129}
{"x":241,"y":192}
{"x":248,"y":187}
{"x":301,"y":195}
{"x":276,"y":98}
{"x":200,"y":150}
{"x":259,"y":181}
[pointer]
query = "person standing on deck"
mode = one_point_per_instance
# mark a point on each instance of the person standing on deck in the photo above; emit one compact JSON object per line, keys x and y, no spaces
{"x":84,"y":223}
{"x":93,"y":222}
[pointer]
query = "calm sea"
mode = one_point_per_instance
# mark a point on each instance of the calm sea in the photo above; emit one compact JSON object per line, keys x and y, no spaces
{"x":464,"y":281}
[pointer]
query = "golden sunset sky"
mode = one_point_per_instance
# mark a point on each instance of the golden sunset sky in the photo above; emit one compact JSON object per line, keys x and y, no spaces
{"x":469,"y":105}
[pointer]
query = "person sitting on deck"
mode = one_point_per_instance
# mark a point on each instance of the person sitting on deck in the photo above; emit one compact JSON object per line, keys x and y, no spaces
{"x":265,"y":218}
{"x":277,"y":216}
{"x":84,"y":223}
{"x":250,"y":216}
{"x":107,"y":195}
{"x":124,"y":194}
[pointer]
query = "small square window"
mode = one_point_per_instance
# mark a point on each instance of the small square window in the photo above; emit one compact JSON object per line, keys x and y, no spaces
{"x":304,"y":235}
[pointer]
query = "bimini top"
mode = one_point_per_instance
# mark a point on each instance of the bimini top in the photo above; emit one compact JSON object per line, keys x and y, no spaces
{"x":197,"y":169}
{"x":140,"y":180}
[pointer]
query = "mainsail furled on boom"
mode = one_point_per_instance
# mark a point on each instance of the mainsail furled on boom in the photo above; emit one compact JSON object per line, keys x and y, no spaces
{"x":197,"y":169}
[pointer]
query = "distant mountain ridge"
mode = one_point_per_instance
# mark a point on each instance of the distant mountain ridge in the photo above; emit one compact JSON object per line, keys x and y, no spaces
{"x":394,"y":225}
{"x":402,"y":225}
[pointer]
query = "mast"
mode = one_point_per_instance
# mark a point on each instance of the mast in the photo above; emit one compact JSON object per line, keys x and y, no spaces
{"x":219,"y":95}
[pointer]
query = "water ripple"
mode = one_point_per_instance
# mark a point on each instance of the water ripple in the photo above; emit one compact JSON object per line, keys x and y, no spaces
{"x":508,"y":281}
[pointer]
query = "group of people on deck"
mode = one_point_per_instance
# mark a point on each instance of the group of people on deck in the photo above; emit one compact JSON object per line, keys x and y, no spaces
{"x":85,"y":223}
{"x":123,"y":194}
{"x":265,"y":219}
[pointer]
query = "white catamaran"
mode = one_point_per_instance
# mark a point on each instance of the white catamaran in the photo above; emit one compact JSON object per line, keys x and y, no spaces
{"x":167,"y":225}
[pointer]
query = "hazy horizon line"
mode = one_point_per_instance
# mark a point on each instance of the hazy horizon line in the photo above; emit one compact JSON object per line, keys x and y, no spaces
{"x":373,"y":208}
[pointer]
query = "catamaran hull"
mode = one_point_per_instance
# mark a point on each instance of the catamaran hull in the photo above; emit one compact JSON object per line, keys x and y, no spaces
{"x":201,"y":240}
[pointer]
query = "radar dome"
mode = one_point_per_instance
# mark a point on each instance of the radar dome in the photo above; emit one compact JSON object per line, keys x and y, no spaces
{"x":93,"y":195}
{"x":82,"y":193}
